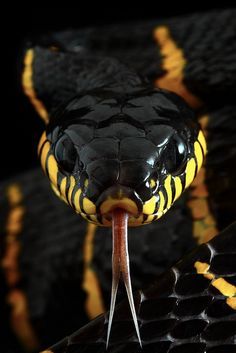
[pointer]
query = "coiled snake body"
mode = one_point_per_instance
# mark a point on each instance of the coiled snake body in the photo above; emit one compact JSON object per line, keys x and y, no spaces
{"x":115,"y":144}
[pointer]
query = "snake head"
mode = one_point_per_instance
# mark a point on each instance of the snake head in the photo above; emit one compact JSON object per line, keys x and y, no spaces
{"x":107,"y":150}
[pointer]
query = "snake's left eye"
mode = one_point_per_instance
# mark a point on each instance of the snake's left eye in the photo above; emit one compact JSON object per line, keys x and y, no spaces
{"x":65,"y":154}
{"x":175,"y":155}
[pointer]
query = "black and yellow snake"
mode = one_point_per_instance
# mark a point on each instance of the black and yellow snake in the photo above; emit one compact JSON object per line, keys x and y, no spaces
{"x":121,"y":145}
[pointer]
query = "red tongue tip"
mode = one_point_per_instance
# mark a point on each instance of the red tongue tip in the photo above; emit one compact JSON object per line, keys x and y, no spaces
{"x":120,"y":266}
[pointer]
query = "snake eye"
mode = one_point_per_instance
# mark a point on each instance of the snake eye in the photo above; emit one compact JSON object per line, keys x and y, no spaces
{"x":175,"y":155}
{"x":65,"y":154}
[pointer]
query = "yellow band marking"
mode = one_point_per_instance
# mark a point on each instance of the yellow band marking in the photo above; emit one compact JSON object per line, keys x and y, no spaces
{"x":28,"y":86}
{"x":149,"y":218}
{"x":173,"y":64}
{"x":150,"y":205}
{"x":14,"y":195}
{"x":13,"y":227}
{"x":224,"y":287}
{"x":14,"y":224}
{"x":178,"y":187}
{"x":44,"y":154}
{"x":71,"y":188}
{"x":21,"y":321}
{"x":88,"y":206}
{"x":167,"y":185}
{"x":204,"y":223}
{"x":94,"y":303}
{"x":63,"y":187}
{"x":161,"y":202}
{"x":19,"y":316}
{"x":174,"y":60}
{"x":76,"y":200}
{"x":231,"y":302}
{"x":202,"y":141}
{"x":52,"y":169}
{"x":198,"y":154}
{"x":202,"y":269}
{"x":190,"y":172}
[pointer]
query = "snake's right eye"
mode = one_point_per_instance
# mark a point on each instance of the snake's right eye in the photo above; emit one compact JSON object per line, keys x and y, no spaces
{"x":175,"y":155}
{"x":65,"y":154}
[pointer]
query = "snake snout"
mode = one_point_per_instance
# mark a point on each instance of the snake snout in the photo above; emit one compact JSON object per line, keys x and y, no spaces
{"x":119,"y":196}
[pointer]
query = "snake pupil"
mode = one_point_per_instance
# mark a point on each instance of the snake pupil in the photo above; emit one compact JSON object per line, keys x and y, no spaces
{"x":65,"y":154}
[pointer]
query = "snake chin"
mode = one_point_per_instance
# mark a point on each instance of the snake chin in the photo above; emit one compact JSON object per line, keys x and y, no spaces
{"x":105,"y":219}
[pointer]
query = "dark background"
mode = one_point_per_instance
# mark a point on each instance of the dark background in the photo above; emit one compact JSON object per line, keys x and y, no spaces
{"x":20,"y":126}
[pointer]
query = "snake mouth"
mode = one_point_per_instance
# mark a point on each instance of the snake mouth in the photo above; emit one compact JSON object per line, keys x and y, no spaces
{"x":127,"y":200}
{"x":119,"y":197}
{"x":108,"y":206}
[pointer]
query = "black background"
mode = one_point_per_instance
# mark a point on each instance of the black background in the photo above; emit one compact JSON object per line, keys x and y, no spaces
{"x":20,"y":126}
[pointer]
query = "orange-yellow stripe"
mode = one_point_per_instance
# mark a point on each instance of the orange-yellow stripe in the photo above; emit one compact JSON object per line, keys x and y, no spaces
{"x":202,"y":141}
{"x":28,"y":85}
{"x":71,"y":188}
{"x":178,"y":187}
{"x":226,"y":288}
{"x":190,"y":172}
{"x":161,"y":203}
{"x":52,"y":169}
{"x":44,"y":155}
{"x":198,"y":154}
{"x":94,"y":302}
{"x":16,"y":299}
{"x":204,"y":223}
{"x":167,"y":185}
{"x":173,"y":64}
{"x":231,"y":302}
{"x":223,"y":286}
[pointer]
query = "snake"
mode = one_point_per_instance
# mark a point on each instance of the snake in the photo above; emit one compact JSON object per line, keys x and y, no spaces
{"x":130,"y":124}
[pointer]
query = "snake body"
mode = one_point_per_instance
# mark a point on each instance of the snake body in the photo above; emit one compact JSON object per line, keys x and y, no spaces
{"x":189,"y":308}
{"x":115,"y":140}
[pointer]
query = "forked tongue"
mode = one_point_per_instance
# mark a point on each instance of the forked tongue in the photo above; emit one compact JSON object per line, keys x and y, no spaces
{"x":120,"y":266}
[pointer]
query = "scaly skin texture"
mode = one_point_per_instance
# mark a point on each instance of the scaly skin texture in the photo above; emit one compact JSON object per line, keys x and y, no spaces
{"x":190,"y":308}
{"x":55,"y":267}
{"x":108,"y":149}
